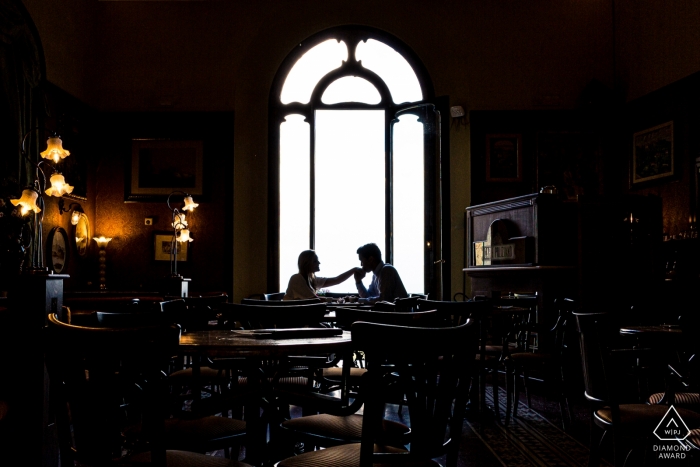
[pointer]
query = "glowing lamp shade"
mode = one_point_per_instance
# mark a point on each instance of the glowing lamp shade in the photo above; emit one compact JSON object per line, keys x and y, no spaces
{"x":189,"y":204}
{"x":75,"y":217}
{"x":179,"y":220}
{"x":54,"y":149}
{"x":184,"y":236}
{"x":102,"y":241}
{"x":27,"y":201}
{"x":59,"y":187}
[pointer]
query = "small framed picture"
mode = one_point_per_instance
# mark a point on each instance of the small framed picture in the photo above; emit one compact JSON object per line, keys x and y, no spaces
{"x":504,"y":160}
{"x":163,"y":244}
{"x":652,"y":155}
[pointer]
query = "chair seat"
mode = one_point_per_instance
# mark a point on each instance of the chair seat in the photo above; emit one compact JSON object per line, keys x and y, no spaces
{"x":348,"y":428}
{"x":183,"y":459}
{"x":643,"y":418}
{"x":694,"y":438}
{"x":346,"y":455}
{"x":683,"y":399}
{"x":336,"y":373}
{"x":284,"y":382}
{"x":198,"y":434}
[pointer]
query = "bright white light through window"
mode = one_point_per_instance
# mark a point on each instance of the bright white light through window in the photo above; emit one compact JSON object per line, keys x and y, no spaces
{"x":392,"y":68}
{"x":311,"y":67}
{"x":351,"y":89}
{"x":350,"y":184}
{"x":409,"y":179}
{"x":295,"y":189}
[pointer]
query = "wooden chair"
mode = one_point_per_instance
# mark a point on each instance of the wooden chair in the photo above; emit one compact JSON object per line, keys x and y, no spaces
{"x":683,"y":378}
{"x":329,"y":430}
{"x":331,"y":377}
{"x":490,"y":355}
{"x":90,"y":368}
{"x":288,"y":381}
{"x":199,"y":310}
{"x":547,"y":361}
{"x":434,"y":364}
{"x":629,"y":424}
{"x":274,"y":296}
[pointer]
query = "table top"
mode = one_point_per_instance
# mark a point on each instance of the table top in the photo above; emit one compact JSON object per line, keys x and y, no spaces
{"x":221,"y":343}
{"x":659,"y":329}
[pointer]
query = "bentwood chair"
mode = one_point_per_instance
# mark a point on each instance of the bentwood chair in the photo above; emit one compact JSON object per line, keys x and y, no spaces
{"x":330,"y":429}
{"x":88,"y":378}
{"x":546,"y":362}
{"x":630,"y":425}
{"x":490,"y":354}
{"x":434,"y":367}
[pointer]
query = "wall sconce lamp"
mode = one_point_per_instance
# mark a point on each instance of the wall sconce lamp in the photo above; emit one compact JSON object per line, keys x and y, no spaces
{"x":102,"y":243}
{"x":181,"y":233}
{"x":76,"y":209}
{"x":32,"y":199}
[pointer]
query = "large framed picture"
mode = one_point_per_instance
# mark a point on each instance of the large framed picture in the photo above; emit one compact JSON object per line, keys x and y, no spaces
{"x":159,"y":167}
{"x":162,"y":246}
{"x":652,"y":155}
{"x":504,"y":160}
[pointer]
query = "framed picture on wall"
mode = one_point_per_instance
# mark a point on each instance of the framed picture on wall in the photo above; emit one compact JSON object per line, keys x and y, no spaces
{"x":159,"y":167}
{"x":652,"y":155}
{"x":162,"y":245}
{"x":504,"y":159}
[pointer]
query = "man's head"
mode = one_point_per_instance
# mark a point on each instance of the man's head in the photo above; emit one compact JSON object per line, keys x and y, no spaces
{"x":370,"y":256}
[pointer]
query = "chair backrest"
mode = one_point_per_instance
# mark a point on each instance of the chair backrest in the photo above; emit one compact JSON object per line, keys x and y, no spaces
{"x":306,"y":301}
{"x":456,"y":313}
{"x":348,"y":316}
{"x":432,"y":366}
{"x":116,"y":319}
{"x":594,"y":331}
{"x":264,"y":317}
{"x":89,"y":376}
{"x":194,"y":312}
{"x":273,"y":296}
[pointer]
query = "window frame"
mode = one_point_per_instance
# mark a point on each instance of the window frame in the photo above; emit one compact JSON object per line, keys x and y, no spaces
{"x":351,"y":35}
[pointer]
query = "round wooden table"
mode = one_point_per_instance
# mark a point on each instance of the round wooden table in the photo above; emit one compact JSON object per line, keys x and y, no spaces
{"x":228,"y":343}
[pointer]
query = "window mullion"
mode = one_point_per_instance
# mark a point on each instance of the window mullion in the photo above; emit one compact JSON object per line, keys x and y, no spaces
{"x":311,"y":117}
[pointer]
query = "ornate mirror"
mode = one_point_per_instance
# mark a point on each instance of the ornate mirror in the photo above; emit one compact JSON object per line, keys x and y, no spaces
{"x":57,"y":250}
{"x":82,"y":234}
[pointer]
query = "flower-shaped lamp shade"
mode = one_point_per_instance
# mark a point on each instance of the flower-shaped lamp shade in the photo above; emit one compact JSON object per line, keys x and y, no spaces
{"x":184,"y":236}
{"x":75,"y":217}
{"x":54,"y":149}
{"x":189,"y":204}
{"x":27,"y":201}
{"x":102,"y":241}
{"x":59,"y":187}
{"x":179,"y":221}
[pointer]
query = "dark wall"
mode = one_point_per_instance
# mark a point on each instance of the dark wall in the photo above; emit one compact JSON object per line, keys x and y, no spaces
{"x":130,"y":255}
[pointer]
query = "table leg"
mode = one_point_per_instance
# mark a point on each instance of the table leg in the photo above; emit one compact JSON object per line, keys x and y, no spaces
{"x":196,"y":384}
{"x":256,"y":435}
{"x":345,"y":380}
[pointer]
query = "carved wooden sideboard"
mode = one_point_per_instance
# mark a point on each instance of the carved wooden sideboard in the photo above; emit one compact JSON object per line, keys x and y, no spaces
{"x":601,"y":251}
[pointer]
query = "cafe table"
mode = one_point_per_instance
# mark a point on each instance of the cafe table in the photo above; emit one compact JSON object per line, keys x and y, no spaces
{"x":255,"y":346}
{"x":662,"y":341}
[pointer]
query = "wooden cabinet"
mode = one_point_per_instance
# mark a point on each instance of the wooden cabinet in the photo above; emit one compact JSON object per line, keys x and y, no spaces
{"x":601,"y":251}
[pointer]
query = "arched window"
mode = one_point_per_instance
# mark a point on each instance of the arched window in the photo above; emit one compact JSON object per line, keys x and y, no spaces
{"x":352,"y":157}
